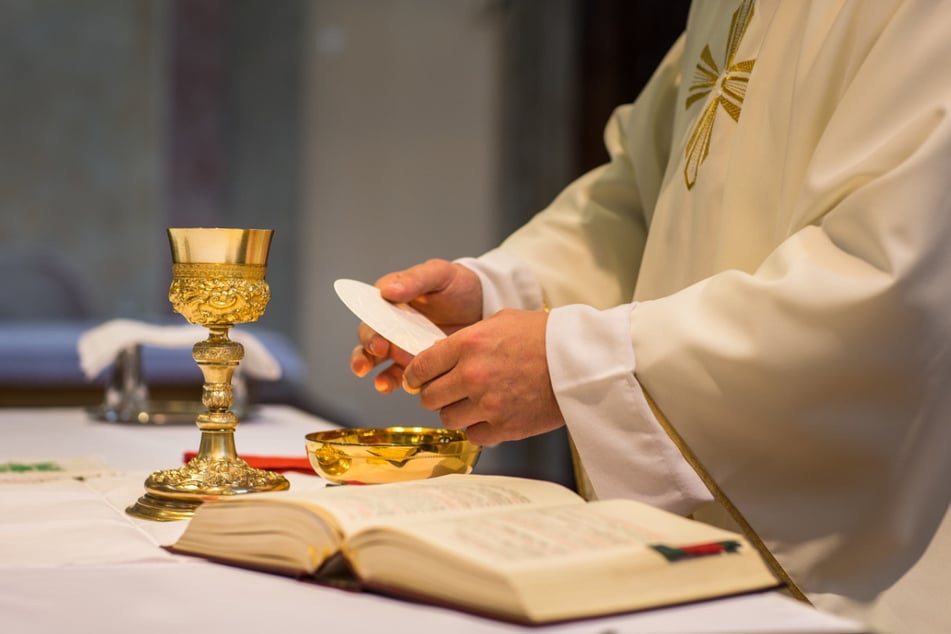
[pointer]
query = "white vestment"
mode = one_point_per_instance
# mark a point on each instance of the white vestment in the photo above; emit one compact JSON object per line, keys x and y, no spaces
{"x":768,"y":255}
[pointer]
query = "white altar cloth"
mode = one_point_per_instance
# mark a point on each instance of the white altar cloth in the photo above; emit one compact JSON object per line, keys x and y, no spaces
{"x":72,"y":560}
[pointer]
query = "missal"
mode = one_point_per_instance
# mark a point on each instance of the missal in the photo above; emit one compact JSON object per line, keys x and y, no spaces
{"x":516,"y":549}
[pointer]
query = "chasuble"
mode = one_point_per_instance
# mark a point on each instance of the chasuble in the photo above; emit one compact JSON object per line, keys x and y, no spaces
{"x":766,"y":256}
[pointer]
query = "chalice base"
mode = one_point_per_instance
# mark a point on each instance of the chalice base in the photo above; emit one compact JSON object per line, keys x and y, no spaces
{"x":175,"y":494}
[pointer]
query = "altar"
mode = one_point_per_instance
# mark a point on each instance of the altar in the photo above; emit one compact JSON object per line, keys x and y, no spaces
{"x":72,"y":559}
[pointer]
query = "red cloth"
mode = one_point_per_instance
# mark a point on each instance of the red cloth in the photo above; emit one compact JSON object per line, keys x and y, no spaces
{"x":272,"y":463}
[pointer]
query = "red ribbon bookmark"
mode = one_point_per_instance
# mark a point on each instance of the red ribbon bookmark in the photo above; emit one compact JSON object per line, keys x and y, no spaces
{"x":672,"y":553}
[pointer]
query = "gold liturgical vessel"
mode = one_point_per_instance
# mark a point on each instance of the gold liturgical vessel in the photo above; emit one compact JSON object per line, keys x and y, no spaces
{"x":217,"y":282}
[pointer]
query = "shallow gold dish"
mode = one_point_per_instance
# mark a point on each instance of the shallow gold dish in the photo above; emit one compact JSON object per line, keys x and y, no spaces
{"x":389,"y":454}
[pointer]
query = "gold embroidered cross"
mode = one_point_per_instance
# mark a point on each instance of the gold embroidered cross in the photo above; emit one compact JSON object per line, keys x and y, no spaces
{"x":729,"y":85}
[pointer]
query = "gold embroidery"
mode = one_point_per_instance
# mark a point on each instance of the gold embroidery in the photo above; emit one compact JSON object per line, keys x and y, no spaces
{"x":729,"y":85}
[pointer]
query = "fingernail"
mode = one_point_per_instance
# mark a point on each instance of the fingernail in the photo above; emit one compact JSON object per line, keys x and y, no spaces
{"x":376,"y":347}
{"x":382,"y":384}
{"x":410,"y":390}
{"x":394,"y":288}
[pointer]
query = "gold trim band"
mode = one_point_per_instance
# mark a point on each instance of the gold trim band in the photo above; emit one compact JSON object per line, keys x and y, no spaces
{"x":219,"y":270}
{"x":721,"y":497}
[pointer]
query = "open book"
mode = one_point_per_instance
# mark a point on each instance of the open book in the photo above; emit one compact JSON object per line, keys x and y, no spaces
{"x":518,"y":549}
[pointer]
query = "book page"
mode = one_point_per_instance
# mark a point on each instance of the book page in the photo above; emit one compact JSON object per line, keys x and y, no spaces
{"x":515,"y":535}
{"x":562,"y":531}
{"x":354,"y":507}
{"x":541,"y":564}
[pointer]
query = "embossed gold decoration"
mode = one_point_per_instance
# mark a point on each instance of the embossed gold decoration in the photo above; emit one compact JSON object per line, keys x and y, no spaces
{"x":727,"y":85}
{"x":217,"y":281}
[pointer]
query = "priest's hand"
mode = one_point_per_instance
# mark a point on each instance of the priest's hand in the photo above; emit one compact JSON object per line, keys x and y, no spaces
{"x":490,"y":379}
{"x":449,"y":294}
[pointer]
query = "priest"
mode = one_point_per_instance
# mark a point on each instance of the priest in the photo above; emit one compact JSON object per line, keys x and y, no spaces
{"x":745,"y":315}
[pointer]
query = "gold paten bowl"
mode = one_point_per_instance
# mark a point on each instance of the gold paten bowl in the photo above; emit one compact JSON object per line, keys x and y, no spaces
{"x":389,"y":454}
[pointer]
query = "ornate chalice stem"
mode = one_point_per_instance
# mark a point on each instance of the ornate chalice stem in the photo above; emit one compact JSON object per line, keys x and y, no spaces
{"x":218,"y":281}
{"x":218,"y":358}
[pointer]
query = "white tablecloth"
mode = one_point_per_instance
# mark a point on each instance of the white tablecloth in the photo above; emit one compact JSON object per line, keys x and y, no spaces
{"x":71,"y":559}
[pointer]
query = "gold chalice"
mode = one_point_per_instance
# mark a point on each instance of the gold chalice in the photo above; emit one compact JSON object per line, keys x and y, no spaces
{"x":217,"y":281}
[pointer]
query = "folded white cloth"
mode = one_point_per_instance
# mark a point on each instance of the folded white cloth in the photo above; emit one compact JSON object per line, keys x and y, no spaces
{"x":100,"y":346}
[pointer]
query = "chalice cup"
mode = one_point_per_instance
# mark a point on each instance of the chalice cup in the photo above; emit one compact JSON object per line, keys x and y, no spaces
{"x":217,"y":281}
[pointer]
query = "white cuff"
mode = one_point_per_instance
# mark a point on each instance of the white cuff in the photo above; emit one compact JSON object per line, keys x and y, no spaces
{"x":507,"y":282}
{"x":623,"y":449}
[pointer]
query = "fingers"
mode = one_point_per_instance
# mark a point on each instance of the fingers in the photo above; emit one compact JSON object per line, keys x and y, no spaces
{"x":433,"y":362}
{"x":447,"y":293}
{"x":375,"y":345}
{"x":360,"y":362}
{"x":373,"y":350}
{"x":417,"y":281}
{"x":389,"y":380}
{"x":460,"y":415}
{"x":489,"y":377}
{"x":430,"y":374}
{"x":483,"y":434}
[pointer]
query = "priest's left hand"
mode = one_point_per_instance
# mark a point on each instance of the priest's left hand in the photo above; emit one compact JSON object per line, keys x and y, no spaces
{"x":490,"y":378}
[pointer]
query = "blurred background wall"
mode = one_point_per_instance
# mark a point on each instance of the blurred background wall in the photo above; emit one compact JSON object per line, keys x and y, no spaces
{"x":370,"y":134}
